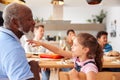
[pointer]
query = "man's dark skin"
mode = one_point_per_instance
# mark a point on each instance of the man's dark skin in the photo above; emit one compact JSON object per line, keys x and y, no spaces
{"x":35,"y":69}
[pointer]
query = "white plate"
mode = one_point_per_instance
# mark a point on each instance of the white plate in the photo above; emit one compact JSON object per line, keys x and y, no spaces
{"x":36,"y":59}
{"x":49,"y":59}
{"x":117,"y":61}
{"x":110,"y":58}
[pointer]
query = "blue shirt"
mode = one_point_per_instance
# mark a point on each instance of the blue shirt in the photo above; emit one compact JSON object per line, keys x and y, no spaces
{"x":107,"y":48}
{"x":13,"y":62}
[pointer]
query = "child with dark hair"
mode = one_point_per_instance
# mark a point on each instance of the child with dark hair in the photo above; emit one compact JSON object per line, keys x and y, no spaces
{"x":86,"y":52}
{"x":68,"y":44}
{"x":103,"y":41}
{"x":88,"y":55}
{"x":69,"y":38}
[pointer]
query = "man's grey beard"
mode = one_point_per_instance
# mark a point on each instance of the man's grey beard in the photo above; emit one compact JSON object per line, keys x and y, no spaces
{"x":28,"y":35}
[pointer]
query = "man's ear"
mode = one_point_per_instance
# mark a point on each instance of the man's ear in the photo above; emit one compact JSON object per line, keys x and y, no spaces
{"x":14,"y":23}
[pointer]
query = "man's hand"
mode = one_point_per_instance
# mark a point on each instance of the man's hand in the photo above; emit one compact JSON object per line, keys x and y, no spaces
{"x":35,"y":70}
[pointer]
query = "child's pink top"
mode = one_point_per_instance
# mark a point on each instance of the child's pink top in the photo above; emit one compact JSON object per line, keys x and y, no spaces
{"x":88,"y":67}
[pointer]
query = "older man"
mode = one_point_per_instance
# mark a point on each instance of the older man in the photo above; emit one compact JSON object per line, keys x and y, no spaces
{"x":13,"y":63}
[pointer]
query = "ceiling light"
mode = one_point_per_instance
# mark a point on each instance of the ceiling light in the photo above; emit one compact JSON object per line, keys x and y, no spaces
{"x":57,"y":2}
{"x":93,"y":2}
{"x":22,"y":1}
{"x":9,"y":1}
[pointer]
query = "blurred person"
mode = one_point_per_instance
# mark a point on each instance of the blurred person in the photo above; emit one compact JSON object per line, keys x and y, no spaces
{"x":86,"y":53}
{"x":103,"y":41}
{"x":68,"y":44}
{"x":38,"y":36}
{"x":69,"y":39}
{"x":18,"y":20}
{"x":38,"y":33}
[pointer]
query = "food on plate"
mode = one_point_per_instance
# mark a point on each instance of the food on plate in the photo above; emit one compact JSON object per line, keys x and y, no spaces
{"x":113,"y":54}
{"x":52,"y":56}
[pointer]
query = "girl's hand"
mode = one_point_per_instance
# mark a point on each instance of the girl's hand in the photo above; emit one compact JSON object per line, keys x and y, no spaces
{"x":34,"y":43}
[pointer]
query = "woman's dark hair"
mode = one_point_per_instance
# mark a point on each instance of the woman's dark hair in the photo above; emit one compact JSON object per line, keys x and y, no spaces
{"x":70,"y":30}
{"x":100,"y":33}
{"x":95,"y":50}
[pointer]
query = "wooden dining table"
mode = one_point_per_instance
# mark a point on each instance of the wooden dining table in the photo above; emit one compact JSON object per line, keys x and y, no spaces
{"x":56,"y":64}
{"x":111,"y":64}
{"x":59,"y":64}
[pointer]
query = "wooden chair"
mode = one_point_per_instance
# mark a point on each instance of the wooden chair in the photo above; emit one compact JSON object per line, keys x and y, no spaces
{"x":108,"y":76}
{"x":65,"y":76}
{"x":100,"y":76}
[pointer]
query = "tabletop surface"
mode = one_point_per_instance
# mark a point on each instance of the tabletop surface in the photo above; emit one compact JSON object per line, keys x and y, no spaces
{"x":58,"y":63}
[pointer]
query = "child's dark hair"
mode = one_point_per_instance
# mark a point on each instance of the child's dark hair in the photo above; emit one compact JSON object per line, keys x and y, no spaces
{"x":95,"y":50}
{"x":70,"y":30}
{"x":100,"y":33}
{"x":39,"y":25}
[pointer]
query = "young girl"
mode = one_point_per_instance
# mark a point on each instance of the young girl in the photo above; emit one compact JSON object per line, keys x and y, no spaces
{"x":87,"y":54}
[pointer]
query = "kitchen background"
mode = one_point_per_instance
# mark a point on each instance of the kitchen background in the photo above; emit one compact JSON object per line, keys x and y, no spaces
{"x":75,"y":14}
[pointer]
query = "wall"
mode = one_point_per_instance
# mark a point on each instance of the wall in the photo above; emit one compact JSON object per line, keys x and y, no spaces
{"x":60,"y":27}
{"x":113,"y":24}
{"x":81,"y":14}
{"x":78,"y":11}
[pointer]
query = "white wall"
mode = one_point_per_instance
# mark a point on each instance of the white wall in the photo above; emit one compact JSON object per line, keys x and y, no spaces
{"x":81,"y":14}
{"x":78,"y":11}
{"x":113,"y":14}
{"x":40,"y":8}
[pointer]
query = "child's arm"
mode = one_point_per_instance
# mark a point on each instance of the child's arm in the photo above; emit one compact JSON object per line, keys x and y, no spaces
{"x":51,"y":48}
{"x":74,"y":75}
{"x":91,"y":75}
